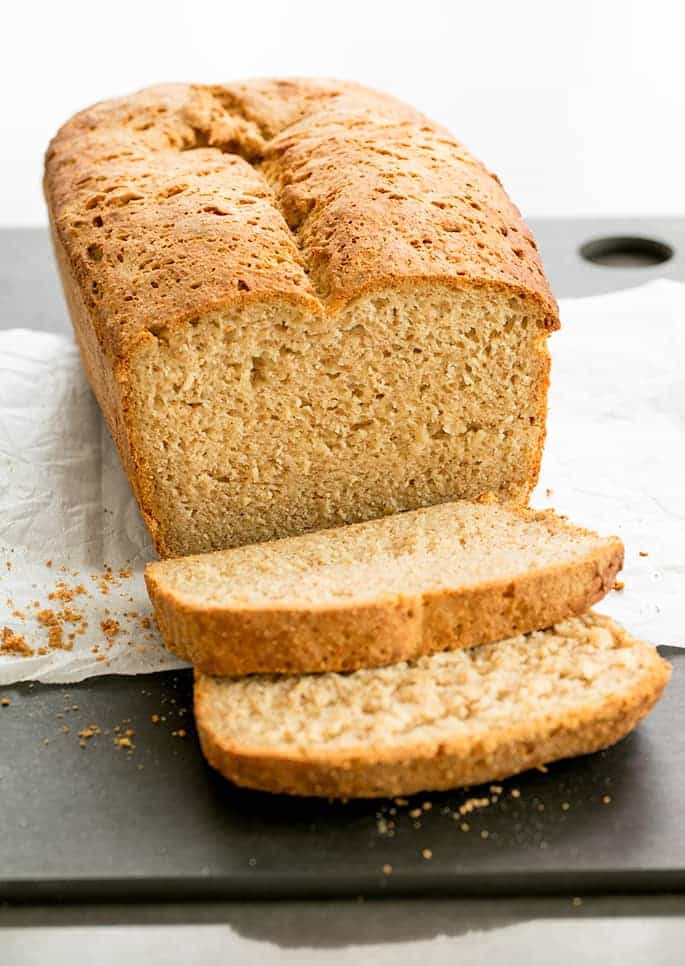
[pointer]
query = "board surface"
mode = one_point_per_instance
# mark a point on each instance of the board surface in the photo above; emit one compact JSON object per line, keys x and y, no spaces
{"x":105,"y":823}
{"x":155,"y":822}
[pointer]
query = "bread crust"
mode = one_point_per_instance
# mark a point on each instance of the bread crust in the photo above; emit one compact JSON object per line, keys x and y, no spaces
{"x":385,"y":772}
{"x":183,"y":200}
{"x":343,"y":637}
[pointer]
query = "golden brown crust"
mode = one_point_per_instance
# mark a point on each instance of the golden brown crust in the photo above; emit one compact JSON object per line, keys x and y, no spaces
{"x":250,"y":640}
{"x":502,"y":752}
{"x":314,"y":191}
{"x":185,"y":199}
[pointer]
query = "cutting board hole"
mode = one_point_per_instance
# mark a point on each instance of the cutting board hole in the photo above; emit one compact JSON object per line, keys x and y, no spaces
{"x":626,"y":251}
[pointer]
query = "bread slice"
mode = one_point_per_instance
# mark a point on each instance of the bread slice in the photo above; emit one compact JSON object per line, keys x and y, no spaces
{"x":387,"y":590}
{"x":300,"y":303}
{"x":452,"y":719}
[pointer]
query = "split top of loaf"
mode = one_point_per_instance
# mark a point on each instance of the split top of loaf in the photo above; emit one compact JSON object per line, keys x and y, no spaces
{"x":386,"y":590}
{"x":300,"y":303}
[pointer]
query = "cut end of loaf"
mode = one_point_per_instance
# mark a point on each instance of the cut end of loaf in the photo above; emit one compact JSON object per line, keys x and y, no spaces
{"x":452,"y":719}
{"x":268,"y":422}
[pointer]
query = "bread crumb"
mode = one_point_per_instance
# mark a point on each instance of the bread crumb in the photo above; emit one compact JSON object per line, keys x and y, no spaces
{"x":484,"y":834}
{"x":12,"y":643}
{"x":180,"y":733}
{"x":606,"y":799}
{"x":5,"y":702}
{"x":414,"y":813}
{"x":387,"y":869}
{"x":472,"y":803}
{"x":515,"y":793}
{"x":48,"y":563}
{"x":62,"y":593}
{"x":644,"y":553}
{"x":576,"y":901}
{"x":155,"y":718}
{"x":49,"y":619}
{"x":465,"y":826}
{"x":565,"y":806}
{"x":19,"y":613}
{"x":619,"y":584}
{"x":543,"y":768}
{"x":401,"y":801}
{"x":426,"y":853}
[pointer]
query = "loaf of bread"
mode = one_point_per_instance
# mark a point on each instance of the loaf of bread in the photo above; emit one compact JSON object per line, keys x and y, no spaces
{"x":387,"y":590}
{"x":299,"y":303}
{"x":457,"y":718}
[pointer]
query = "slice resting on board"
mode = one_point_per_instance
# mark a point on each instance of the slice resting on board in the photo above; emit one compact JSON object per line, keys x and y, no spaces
{"x":450,"y":719}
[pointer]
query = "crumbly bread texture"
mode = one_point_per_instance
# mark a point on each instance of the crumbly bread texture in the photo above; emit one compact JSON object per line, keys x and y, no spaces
{"x":387,"y":590}
{"x":300,"y":304}
{"x":451,"y":719}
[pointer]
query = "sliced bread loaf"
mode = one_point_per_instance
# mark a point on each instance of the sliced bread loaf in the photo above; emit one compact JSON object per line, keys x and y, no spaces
{"x":300,"y":303}
{"x":387,"y":590}
{"x":448,"y":720}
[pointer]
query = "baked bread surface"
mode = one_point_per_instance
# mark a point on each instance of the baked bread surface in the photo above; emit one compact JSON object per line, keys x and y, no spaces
{"x":299,"y":303}
{"x":387,"y":590}
{"x":453,"y":719}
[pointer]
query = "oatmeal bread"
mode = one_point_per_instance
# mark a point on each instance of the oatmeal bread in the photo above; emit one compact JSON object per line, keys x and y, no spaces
{"x":451,"y":719}
{"x":387,"y":590}
{"x":300,"y":303}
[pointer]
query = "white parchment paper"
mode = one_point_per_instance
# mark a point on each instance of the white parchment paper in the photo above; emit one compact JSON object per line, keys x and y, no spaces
{"x":614,"y":461}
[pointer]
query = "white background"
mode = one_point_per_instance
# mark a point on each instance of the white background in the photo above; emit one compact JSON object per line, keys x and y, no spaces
{"x":579,"y":106}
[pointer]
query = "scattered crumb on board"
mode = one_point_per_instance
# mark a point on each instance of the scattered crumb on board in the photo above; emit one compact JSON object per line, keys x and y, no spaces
{"x":526,"y":817}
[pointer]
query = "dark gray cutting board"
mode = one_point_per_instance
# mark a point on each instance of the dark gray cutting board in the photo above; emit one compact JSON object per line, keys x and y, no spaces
{"x":101,"y":823}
